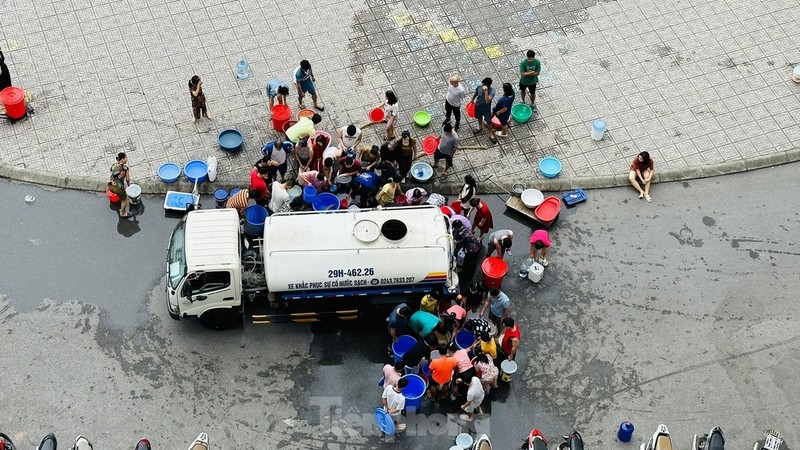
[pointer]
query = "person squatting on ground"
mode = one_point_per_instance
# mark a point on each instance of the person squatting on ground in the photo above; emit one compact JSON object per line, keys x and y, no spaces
{"x":642,"y":171}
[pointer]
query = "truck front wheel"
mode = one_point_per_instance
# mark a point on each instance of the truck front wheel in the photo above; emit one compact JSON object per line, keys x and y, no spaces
{"x":222,"y":319}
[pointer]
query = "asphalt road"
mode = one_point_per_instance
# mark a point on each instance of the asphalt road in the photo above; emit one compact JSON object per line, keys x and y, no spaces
{"x":679,"y":312}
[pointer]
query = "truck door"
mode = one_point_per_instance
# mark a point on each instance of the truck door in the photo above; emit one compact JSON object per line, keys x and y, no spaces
{"x":202,"y":291}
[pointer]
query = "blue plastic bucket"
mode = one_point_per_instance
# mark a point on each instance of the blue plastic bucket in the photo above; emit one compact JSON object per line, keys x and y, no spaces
{"x":309,"y":194}
{"x":255,"y":216}
{"x":403,"y":344}
{"x":221,"y":197}
{"x":625,"y":431}
{"x":426,"y":369}
{"x":414,"y":392}
{"x":235,"y":191}
{"x":326,"y":202}
{"x":465,"y":339}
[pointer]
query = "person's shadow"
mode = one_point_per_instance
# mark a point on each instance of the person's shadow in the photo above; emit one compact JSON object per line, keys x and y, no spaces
{"x":129,"y":227}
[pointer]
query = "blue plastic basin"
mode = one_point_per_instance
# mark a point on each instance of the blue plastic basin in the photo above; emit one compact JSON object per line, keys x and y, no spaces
{"x":230,"y":140}
{"x":169,"y":172}
{"x":422,"y":171}
{"x":414,"y":392}
{"x":550,"y":167}
{"x":196,"y":171}
{"x":326,"y":202}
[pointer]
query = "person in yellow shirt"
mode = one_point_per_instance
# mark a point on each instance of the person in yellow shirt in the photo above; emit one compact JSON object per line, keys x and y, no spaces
{"x":488,"y":345}
{"x":430,"y":302}
{"x":303,"y":129}
{"x":389,"y":191}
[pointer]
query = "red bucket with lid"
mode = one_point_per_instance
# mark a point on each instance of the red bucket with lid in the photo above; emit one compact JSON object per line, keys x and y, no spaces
{"x":280,"y":115}
{"x":13,"y":99}
{"x":494,"y":269}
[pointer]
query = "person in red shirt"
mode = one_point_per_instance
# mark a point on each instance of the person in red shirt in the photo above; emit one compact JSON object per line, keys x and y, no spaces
{"x":483,"y":216}
{"x":258,"y":185}
{"x":510,"y":341}
{"x":442,"y":369}
{"x":349,"y":166}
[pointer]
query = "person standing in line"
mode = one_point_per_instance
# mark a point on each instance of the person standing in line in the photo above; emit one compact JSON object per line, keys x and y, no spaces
{"x":198,"y":99}
{"x":482,"y":97}
{"x":392,"y":373}
{"x":452,"y":102}
{"x":448,"y":145}
{"x":498,"y":304}
{"x":5,"y":75}
{"x":258,"y":184}
{"x":510,"y":342}
{"x":408,"y":151}
{"x":529,"y":69}
{"x":280,"y":195}
{"x":502,"y":110}
{"x":394,"y":402}
{"x":304,"y":79}
{"x":475,"y":396}
{"x":120,"y":178}
{"x":349,"y":137}
{"x":642,"y":170}
{"x":430,"y":302}
{"x":390,"y":108}
{"x":540,"y":243}
{"x":483,"y":216}
{"x":277,"y":91}
{"x":468,"y":190}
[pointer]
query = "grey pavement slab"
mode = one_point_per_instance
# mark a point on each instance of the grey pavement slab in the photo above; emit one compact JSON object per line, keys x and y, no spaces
{"x":693,"y":84}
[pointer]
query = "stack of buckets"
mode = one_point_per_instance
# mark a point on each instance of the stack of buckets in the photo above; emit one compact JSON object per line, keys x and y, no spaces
{"x":13,"y":99}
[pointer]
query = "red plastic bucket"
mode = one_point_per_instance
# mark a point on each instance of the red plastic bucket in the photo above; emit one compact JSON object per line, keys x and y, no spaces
{"x":430,"y":144}
{"x":112,"y":197}
{"x":13,"y":99}
{"x":494,"y":269}
{"x":471,"y":109}
{"x":288,"y":124}
{"x":280,"y":115}
{"x":376,"y":115}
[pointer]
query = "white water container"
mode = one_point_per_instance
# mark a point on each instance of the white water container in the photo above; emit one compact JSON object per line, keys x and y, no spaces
{"x":212,"y":168}
{"x":536,"y":272}
{"x":599,"y":128}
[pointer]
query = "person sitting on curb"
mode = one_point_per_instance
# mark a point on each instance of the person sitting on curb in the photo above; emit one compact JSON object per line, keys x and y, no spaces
{"x":642,"y":171}
{"x":540,"y":243}
{"x":394,"y":402}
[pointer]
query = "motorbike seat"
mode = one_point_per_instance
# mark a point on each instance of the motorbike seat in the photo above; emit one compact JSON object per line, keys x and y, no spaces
{"x":663,"y":442}
{"x":539,"y":444}
{"x":48,"y":443}
{"x":575,"y":444}
{"x":716,"y":442}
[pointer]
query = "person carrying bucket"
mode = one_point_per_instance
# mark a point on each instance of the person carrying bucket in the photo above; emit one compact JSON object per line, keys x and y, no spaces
{"x":397,"y":324}
{"x":277,"y":91}
{"x":304,"y":79}
{"x":394,"y":402}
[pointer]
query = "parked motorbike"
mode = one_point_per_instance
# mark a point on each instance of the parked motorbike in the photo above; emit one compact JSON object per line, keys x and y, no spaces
{"x":6,"y":443}
{"x":660,"y":440}
{"x":482,"y":443}
{"x":714,"y":440}
{"x":48,"y":443}
{"x":771,"y":441}
{"x":201,"y":443}
{"x":573,"y":441}
{"x":143,"y":444}
{"x":535,"y":441}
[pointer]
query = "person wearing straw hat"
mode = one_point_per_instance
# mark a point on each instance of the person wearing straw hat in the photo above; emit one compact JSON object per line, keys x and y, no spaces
{"x":304,"y":79}
{"x":452,"y":101}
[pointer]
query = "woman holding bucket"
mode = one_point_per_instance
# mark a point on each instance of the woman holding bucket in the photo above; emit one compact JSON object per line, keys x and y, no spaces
{"x":120,"y":177}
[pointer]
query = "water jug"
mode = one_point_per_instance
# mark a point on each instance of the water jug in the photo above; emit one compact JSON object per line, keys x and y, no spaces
{"x":525,"y":267}
{"x":242,"y":69}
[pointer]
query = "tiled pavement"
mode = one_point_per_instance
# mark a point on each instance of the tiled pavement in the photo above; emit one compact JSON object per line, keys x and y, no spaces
{"x":694,"y":83}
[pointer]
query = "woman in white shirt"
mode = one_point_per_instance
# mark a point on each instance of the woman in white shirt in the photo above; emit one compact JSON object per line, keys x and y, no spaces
{"x":390,"y":108}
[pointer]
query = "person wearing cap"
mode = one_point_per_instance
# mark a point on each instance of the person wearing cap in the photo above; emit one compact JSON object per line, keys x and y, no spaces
{"x":452,"y":102}
{"x":349,"y":137}
{"x":303,"y":129}
{"x":540,"y":243}
{"x":408,"y":151}
{"x":277,"y":90}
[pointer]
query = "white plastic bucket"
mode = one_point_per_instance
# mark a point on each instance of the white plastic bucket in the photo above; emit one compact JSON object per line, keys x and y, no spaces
{"x":599,"y":128}
{"x":134,"y":193}
{"x":508,"y":368}
{"x":536,"y":272}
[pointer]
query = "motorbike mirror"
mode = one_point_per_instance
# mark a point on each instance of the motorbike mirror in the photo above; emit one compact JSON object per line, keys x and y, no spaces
{"x":143,"y":444}
{"x":48,"y":443}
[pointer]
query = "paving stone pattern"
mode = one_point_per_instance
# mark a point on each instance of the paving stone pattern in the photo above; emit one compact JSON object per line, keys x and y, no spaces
{"x":694,"y":83}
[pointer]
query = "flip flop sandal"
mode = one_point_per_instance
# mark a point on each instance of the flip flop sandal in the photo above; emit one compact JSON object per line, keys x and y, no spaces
{"x":319,"y":108}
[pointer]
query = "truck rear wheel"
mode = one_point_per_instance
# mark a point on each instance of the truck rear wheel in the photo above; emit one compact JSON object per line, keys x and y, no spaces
{"x":222,"y":319}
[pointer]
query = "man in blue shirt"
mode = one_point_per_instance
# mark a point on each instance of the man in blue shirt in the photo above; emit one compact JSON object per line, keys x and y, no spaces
{"x":482,"y":97}
{"x":304,"y":78}
{"x":498,"y":304}
{"x":398,"y":323}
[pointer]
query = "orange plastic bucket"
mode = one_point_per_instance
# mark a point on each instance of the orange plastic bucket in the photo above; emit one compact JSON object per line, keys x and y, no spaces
{"x":494,"y":269}
{"x":376,"y":115}
{"x":305,"y":113}
{"x":430,"y":144}
{"x":280,"y":115}
{"x":471,"y":109}
{"x":13,"y":99}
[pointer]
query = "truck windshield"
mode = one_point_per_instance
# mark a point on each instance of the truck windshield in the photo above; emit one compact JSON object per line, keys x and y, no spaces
{"x":176,"y":258}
